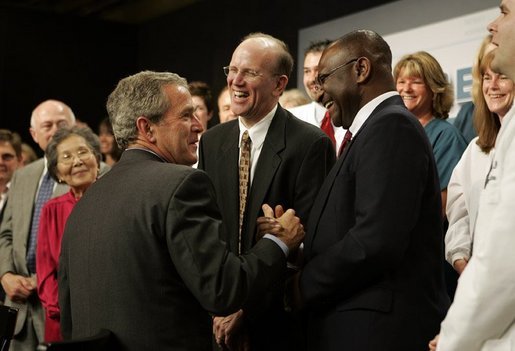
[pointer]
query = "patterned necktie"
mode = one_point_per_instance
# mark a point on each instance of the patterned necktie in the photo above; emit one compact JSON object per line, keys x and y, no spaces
{"x":44,"y":194}
{"x":346,"y":139}
{"x":244,"y":179}
{"x":327,"y":127}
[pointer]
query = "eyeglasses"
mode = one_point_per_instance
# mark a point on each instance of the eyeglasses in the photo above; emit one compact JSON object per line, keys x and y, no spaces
{"x":7,"y":157}
{"x":248,"y":74}
{"x":68,"y":157}
{"x":321,"y":78}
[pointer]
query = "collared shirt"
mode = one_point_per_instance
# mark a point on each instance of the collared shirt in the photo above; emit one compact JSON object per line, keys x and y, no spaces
{"x":45,"y":171}
{"x":366,"y":111}
{"x":314,"y":113}
{"x":3,"y":196}
{"x":257,"y":134}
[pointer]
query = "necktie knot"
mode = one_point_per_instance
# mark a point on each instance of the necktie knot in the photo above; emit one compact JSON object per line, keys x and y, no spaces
{"x":346,"y":139}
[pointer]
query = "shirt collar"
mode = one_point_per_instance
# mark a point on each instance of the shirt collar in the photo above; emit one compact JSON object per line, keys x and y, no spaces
{"x":258,"y":131}
{"x":366,"y":111}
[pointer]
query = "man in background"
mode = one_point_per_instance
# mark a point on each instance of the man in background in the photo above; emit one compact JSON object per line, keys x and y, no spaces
{"x":31,"y":187}
{"x":314,"y":112}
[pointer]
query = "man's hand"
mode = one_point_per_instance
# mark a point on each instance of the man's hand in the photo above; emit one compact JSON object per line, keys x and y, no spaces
{"x":459,"y":265}
{"x":284,"y":225}
{"x":229,"y":332}
{"x":18,"y":288}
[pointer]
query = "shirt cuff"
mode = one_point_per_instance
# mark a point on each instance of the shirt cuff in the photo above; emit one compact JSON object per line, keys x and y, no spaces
{"x":278,"y":241}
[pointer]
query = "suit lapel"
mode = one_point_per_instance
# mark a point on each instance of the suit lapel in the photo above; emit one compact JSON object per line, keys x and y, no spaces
{"x":325,"y":191}
{"x":268,"y":163}
{"x":229,"y":194}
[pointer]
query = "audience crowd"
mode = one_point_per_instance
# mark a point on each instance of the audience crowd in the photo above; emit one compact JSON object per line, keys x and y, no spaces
{"x":351,"y":216}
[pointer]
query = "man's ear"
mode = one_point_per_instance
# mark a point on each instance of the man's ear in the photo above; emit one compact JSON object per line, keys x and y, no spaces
{"x":363,"y":69}
{"x":281,"y":84}
{"x":34,"y":135}
{"x":144,"y":128}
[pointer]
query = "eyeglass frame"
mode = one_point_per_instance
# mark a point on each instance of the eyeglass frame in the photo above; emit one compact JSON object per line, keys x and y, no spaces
{"x":321,"y":78}
{"x":82,"y":154}
{"x":248,"y":74}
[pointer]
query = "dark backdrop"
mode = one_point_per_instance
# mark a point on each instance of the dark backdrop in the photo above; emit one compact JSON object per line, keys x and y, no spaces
{"x":80,"y":60}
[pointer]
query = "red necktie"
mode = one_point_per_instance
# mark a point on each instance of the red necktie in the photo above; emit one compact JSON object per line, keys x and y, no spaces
{"x":327,"y":127}
{"x":346,"y":139}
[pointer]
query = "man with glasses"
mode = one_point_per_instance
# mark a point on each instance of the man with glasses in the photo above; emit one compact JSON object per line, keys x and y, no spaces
{"x":313,"y":112}
{"x":265,"y":156}
{"x":373,"y":277}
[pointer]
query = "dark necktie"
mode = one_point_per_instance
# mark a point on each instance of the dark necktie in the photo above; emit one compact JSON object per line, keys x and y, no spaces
{"x":44,"y":194}
{"x":346,"y":139}
{"x":244,"y":179}
{"x":327,"y":127}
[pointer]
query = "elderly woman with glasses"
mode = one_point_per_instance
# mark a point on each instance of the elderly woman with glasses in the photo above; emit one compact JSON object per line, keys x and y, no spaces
{"x":73,"y":158}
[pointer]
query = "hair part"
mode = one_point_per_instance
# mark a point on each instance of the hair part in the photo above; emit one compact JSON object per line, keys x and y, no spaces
{"x":63,"y":134}
{"x":141,"y":94}
{"x":423,"y":65}
{"x":317,"y":46}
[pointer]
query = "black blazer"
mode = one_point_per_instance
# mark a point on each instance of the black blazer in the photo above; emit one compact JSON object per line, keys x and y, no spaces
{"x":294,"y":161}
{"x":373,"y":278}
{"x":141,"y":256}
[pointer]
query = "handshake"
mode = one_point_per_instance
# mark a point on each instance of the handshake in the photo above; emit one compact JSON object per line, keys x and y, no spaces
{"x":283,"y":225}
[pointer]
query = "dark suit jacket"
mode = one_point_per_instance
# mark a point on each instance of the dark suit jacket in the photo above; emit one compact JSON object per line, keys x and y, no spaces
{"x":293,"y":164}
{"x":141,"y":256}
{"x":373,"y":278}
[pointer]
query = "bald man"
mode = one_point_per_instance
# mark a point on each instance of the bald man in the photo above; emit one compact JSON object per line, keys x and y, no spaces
{"x":289,"y":160}
{"x":18,"y":280}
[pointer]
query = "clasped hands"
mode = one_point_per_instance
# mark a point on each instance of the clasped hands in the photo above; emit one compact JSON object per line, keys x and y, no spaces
{"x":229,"y":331}
{"x":284,"y":225}
{"x":18,"y":288}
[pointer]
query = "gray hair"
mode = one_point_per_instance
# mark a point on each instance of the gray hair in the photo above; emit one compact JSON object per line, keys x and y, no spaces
{"x":139,"y":95}
{"x":63,"y":134}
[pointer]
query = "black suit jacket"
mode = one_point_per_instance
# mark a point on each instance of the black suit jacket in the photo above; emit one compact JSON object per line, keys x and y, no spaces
{"x":141,"y":256}
{"x":293,"y":164}
{"x":373,"y":278}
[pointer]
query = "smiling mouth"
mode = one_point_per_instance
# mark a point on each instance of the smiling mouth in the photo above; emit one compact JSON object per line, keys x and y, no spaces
{"x":240,"y":94}
{"x":328,"y":104}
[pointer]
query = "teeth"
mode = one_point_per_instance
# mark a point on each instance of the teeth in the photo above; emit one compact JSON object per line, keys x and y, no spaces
{"x":240,"y":94}
{"x":405,"y":97}
{"x":496,"y":96}
{"x":328,"y":104}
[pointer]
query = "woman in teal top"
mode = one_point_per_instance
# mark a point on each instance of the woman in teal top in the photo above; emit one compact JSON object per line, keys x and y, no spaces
{"x":428,"y":95}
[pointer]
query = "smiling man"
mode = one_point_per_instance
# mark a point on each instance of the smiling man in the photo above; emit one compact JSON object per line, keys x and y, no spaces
{"x":373,"y":278}
{"x":141,"y":254}
{"x":288,"y":162}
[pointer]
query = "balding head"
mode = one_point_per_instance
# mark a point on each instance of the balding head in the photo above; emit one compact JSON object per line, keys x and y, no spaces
{"x":46,"y":118}
{"x":352,"y":71}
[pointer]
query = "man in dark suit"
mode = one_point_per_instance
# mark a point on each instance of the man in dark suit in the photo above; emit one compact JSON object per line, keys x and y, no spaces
{"x":141,"y":253}
{"x":373,"y":278}
{"x":289,"y":160}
